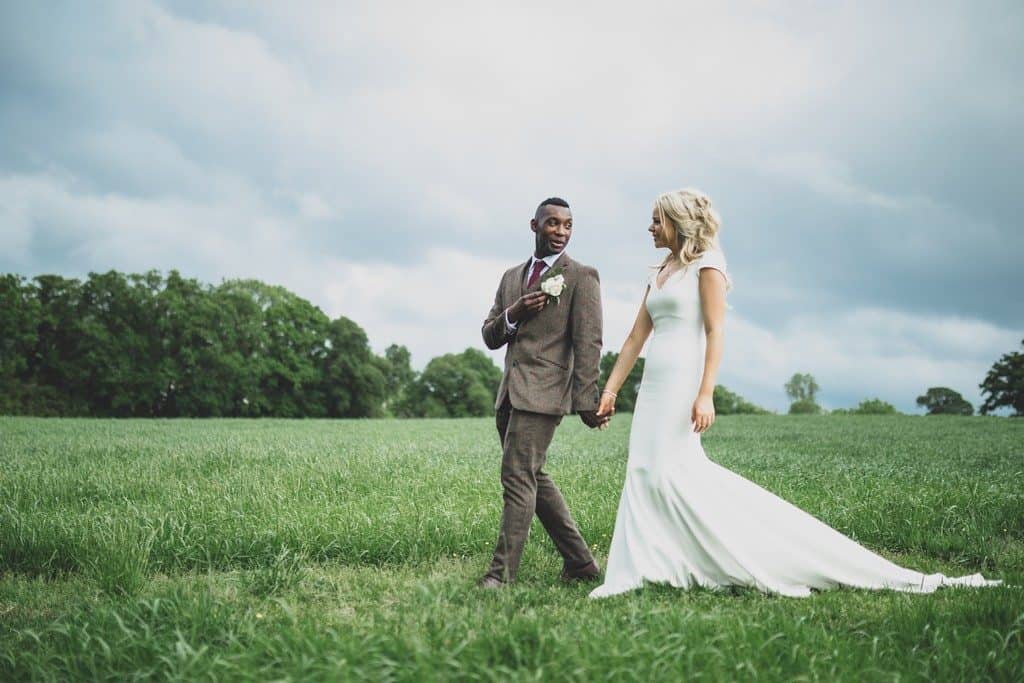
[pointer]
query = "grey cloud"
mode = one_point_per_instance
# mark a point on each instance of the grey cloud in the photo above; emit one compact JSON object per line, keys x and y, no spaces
{"x":861,"y":156}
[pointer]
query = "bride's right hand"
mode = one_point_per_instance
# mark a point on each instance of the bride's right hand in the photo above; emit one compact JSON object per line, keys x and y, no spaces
{"x":607,"y":404}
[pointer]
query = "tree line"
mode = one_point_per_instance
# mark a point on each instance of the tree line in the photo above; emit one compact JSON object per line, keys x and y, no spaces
{"x":1002,"y":387}
{"x":145,"y":345}
{"x":149,"y":345}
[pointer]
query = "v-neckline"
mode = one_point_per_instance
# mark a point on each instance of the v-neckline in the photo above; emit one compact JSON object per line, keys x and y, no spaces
{"x":664,"y":284}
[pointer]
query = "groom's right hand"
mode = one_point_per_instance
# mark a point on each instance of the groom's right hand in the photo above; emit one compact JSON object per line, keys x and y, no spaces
{"x":526,"y":307}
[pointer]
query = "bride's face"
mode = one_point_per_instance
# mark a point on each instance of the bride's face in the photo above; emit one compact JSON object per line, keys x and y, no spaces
{"x":663,"y":234}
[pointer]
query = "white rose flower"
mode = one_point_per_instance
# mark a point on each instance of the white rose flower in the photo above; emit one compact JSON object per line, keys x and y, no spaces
{"x":553,"y":286}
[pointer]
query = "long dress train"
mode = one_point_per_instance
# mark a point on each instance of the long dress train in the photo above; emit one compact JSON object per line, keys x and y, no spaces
{"x":687,"y":521}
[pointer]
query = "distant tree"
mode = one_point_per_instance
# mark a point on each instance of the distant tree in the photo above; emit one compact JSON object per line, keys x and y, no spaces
{"x":19,"y":318}
{"x":141,"y":345}
{"x":243,"y":338}
{"x":871,"y":406}
{"x":729,"y":403}
{"x":289,"y":349}
{"x":626,"y":399}
{"x":944,"y":401}
{"x":19,"y":334}
{"x":353,"y":383}
{"x":116,"y":344}
{"x":204,"y":367}
{"x":399,"y":370}
{"x":804,"y":407}
{"x":1004,"y":384}
{"x":58,"y":366}
{"x":486,"y":370}
{"x":455,"y":385}
{"x":398,"y":380}
{"x":801,"y":389}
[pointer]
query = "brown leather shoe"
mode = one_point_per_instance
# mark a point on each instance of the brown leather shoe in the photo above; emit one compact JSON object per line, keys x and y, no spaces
{"x":588,"y":572}
{"x":490,"y":583}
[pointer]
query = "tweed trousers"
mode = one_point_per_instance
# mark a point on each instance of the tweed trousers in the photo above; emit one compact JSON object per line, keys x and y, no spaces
{"x":528,"y":490}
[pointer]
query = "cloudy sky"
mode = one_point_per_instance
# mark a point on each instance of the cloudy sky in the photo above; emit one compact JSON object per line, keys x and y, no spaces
{"x":383,"y":160}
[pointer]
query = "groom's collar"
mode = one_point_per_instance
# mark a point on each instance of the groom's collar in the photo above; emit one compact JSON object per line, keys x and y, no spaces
{"x":548,"y":260}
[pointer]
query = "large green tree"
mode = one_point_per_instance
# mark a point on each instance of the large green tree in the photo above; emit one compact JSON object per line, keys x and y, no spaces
{"x":19,"y":335}
{"x":19,"y":315}
{"x":802,"y":389}
{"x":203,"y":368}
{"x":400,"y":384}
{"x":117,"y":345}
{"x":1003,"y":386}
{"x":293,"y":344}
{"x":354,"y":380}
{"x":455,"y":385}
{"x":57,"y":372}
{"x":944,"y":401}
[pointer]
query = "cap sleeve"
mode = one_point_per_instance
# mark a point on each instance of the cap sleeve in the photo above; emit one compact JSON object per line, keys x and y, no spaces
{"x":714,"y":258}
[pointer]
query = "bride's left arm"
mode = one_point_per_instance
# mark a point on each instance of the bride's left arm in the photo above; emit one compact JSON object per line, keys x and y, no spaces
{"x":712,"y":302}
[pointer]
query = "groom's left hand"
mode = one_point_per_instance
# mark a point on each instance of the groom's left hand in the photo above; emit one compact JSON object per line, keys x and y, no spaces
{"x":591,"y":419}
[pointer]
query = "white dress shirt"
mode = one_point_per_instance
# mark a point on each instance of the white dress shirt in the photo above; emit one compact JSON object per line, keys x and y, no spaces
{"x":549,"y":261}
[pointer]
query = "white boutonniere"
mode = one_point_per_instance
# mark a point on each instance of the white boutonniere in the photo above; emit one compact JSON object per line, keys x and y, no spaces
{"x":552,"y":284}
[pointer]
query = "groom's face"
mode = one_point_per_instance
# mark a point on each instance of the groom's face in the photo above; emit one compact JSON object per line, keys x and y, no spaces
{"x":553,"y":227}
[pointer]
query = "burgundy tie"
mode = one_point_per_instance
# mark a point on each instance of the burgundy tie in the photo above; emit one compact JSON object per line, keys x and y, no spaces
{"x":535,"y":273}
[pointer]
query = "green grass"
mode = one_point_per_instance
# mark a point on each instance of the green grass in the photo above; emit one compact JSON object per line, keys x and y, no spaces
{"x":306,"y":550}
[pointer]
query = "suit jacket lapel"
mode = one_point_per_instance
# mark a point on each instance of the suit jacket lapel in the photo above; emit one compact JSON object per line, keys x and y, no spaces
{"x":520,"y":283}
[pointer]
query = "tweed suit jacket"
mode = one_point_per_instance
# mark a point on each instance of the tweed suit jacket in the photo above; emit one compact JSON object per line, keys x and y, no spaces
{"x":553,"y":359}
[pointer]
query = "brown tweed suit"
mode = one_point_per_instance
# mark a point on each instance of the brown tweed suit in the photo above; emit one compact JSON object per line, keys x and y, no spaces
{"x":551,"y":369}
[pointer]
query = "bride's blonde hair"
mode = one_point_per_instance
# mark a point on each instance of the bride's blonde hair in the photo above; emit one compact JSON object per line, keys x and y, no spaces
{"x":694,"y":221}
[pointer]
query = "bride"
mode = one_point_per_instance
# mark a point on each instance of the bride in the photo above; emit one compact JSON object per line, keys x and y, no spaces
{"x":683,"y":519}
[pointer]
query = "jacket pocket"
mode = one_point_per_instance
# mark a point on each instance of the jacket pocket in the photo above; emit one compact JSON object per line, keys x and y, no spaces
{"x":552,"y":362}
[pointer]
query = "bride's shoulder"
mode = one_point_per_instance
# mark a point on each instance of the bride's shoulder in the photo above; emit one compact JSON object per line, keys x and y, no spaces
{"x":715,"y":258}
{"x":712,"y":255}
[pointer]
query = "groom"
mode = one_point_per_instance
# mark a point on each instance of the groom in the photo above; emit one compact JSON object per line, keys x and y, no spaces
{"x":551,"y":369}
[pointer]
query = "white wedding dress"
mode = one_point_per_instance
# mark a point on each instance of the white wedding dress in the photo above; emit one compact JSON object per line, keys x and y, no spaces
{"x":686,"y":521}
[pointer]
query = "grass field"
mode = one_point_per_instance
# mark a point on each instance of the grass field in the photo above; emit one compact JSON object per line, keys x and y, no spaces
{"x":327,"y":550}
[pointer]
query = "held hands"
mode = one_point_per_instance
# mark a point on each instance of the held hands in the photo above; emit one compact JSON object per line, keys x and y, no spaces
{"x":606,"y":408}
{"x":593,"y":419}
{"x":527,"y":306}
{"x":703,"y":414}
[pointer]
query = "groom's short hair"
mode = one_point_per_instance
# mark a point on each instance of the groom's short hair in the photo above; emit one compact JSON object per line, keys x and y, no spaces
{"x":550,"y":201}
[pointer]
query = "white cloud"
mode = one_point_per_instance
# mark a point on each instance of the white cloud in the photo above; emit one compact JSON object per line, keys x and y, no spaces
{"x":233,"y":236}
{"x":435,"y":306}
{"x":467,"y":106}
{"x":863,"y":353}
{"x":830,"y":178}
{"x":314,"y":207}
